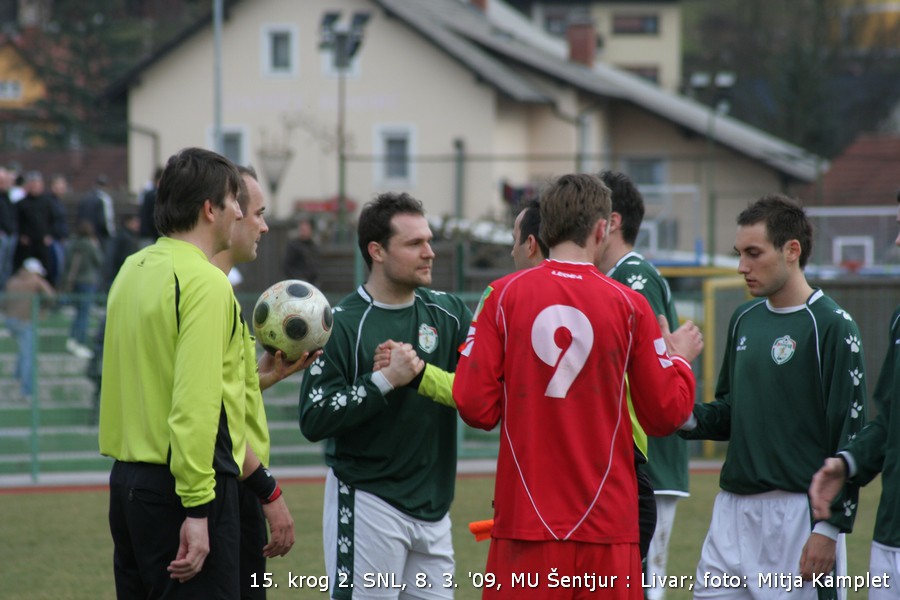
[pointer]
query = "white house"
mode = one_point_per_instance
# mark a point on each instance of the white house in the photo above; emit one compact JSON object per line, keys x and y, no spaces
{"x":449,"y":100}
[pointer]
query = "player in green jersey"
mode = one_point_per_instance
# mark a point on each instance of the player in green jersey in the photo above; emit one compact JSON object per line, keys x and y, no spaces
{"x":391,"y":449}
{"x":667,"y":465}
{"x":875,"y":450}
{"x":791,"y":391}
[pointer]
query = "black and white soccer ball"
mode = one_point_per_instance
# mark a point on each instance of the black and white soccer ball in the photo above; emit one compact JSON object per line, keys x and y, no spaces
{"x":292,"y":316}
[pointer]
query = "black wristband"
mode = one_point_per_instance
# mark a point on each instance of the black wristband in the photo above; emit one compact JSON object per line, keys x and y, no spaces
{"x":417,"y":380}
{"x":261,"y":483}
{"x":200,"y":511}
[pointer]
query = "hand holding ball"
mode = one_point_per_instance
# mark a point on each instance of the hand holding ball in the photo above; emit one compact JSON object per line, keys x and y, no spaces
{"x":292,"y":316}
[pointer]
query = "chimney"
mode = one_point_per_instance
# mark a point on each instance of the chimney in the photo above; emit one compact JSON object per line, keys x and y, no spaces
{"x":480,"y":5}
{"x":582,"y":41}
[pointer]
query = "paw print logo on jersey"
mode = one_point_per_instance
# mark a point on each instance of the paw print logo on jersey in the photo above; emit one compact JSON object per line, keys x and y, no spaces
{"x":343,"y":488}
{"x":851,"y":437}
{"x":637,"y":282}
{"x":853,"y":342}
{"x":316,"y":395}
{"x":344,"y":544}
{"x":316,"y":367}
{"x":339,"y":401}
{"x":358,"y":394}
{"x":844,"y":314}
{"x":344,"y":574}
{"x":856,"y":376}
{"x":849,"y":507}
{"x":855,"y":410}
{"x":345,"y":515}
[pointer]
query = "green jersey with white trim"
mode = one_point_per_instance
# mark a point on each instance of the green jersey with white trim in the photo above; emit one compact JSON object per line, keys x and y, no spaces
{"x":667,"y":456}
{"x":791,"y":391}
{"x":877,"y":446}
{"x":400,"y":446}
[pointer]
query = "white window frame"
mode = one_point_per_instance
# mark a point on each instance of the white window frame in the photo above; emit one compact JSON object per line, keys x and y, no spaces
{"x":239,"y":130}
{"x":381,"y":133}
{"x":265,"y":50}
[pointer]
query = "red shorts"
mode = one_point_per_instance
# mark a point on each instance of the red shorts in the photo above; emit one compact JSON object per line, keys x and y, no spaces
{"x":556,"y":570}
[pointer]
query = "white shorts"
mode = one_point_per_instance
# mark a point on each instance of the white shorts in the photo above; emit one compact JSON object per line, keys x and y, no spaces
{"x":753,"y":548}
{"x":884,"y":560}
{"x":382,"y":551}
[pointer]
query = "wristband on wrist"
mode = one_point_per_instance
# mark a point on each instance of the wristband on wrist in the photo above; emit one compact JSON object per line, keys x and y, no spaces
{"x":261,"y":483}
{"x":275,"y":495}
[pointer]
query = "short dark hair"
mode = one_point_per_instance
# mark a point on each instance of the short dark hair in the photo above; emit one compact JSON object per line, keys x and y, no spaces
{"x":571,"y":206}
{"x":243,"y":197}
{"x":785,"y":220}
{"x":531,"y":225}
{"x":375,"y":219}
{"x":192,"y":176}
{"x":627,"y":201}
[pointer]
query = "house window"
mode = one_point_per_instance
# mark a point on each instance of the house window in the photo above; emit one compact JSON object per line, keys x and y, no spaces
{"x":279,"y":50}
{"x":395,"y":145}
{"x":645,"y":171}
{"x":630,"y":24}
{"x":234,"y":144}
{"x":10,"y":89}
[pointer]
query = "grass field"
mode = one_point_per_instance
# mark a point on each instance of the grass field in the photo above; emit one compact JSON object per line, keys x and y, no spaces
{"x":56,"y":545}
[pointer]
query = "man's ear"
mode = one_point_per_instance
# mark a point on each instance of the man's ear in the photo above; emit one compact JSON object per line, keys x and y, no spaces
{"x":792,"y":250}
{"x":376,"y":251}
{"x":531,"y":246}
{"x":615,"y":221}
{"x":207,"y":213}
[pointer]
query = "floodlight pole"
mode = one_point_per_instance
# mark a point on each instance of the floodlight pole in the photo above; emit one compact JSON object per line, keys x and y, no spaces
{"x":344,"y":44}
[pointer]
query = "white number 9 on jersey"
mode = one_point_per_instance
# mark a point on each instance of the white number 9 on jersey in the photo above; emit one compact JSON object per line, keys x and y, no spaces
{"x":562,"y":337}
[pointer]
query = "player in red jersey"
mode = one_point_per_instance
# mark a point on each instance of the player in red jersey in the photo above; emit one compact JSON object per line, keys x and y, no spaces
{"x":546,"y":357}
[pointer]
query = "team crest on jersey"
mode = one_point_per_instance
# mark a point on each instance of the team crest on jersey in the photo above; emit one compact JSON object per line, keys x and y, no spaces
{"x":428,"y":338}
{"x":783,"y":349}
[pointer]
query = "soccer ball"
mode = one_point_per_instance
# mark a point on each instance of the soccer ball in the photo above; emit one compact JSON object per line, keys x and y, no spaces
{"x":292,"y":316}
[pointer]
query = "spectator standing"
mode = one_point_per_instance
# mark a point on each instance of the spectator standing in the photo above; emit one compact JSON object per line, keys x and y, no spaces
{"x":21,"y":290}
{"x":82,"y":278}
{"x":125,"y":243}
{"x":301,"y":256}
{"x":9,"y":227}
{"x":59,"y":187}
{"x":37,"y":222}
{"x":97,"y":208}
{"x":148,"y":232}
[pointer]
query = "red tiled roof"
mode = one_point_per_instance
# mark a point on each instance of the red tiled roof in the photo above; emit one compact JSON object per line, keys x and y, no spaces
{"x":867,"y":173}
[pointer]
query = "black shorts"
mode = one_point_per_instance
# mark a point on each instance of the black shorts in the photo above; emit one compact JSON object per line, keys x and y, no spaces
{"x":145,"y":518}
{"x":646,"y":509}
{"x":254,"y":535}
